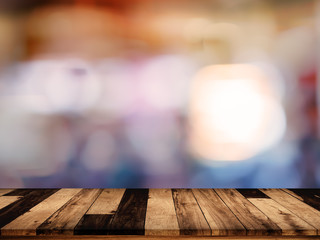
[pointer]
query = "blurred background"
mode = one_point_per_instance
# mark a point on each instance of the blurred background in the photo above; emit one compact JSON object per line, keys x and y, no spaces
{"x":150,"y":93}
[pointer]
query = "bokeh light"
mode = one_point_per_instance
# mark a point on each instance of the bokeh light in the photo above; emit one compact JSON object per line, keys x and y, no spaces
{"x":234,"y":113}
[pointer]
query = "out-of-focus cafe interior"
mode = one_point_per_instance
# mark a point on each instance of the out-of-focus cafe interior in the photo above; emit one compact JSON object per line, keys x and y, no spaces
{"x":159,"y":93}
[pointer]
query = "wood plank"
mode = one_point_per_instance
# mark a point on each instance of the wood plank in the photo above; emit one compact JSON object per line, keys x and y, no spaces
{"x":4,"y":191}
{"x":251,"y":217}
{"x":309,"y":196}
{"x":139,"y":237}
{"x":221,"y":220}
{"x":66,"y":218}
{"x":6,"y":200}
{"x":17,"y":208}
{"x":130,"y":216}
{"x":161,"y":218}
{"x":22,"y":191}
{"x":251,"y":193}
{"x":93,"y":224}
{"x":190,"y":217}
{"x":107,"y":202}
{"x":98,"y":218}
{"x":289,"y":223}
{"x":299,"y":208}
{"x":292,"y":193}
{"x":102,"y":215}
{"x":27,"y":223}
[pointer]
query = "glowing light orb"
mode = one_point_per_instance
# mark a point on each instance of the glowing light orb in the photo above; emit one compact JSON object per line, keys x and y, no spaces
{"x":234,"y":113}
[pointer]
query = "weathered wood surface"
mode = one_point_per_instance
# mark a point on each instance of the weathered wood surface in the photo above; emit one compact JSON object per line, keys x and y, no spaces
{"x":220,"y":218}
{"x":27,"y":223}
{"x":296,"y":206}
{"x":151,"y":213}
{"x":161,"y":218}
{"x":190,"y":217}
{"x":289,"y":223}
{"x":23,"y":205}
{"x":5,"y":191}
{"x":67,"y":217}
{"x":250,"y":216}
{"x":129,"y":219}
{"x":97,"y":219}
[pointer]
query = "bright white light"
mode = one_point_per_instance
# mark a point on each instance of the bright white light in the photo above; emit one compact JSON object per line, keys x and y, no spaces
{"x":234,"y":113}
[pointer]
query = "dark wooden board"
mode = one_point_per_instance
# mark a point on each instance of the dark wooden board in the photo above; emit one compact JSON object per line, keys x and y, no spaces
{"x":21,"y":192}
{"x":130,"y":217}
{"x":251,"y":193}
{"x":93,"y":224}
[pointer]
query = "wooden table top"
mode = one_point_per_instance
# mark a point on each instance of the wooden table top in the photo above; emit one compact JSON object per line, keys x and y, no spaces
{"x":160,"y":212}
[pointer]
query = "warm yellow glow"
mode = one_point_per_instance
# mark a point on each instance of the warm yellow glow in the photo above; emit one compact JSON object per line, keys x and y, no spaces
{"x":235,"y":113}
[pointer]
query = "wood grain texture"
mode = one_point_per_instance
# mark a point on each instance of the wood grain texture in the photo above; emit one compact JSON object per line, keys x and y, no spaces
{"x":161,"y":218}
{"x":22,"y":192}
{"x":129,"y":218}
{"x":131,"y":213}
{"x":6,"y":200}
{"x":289,"y":223}
{"x":299,"y":208}
{"x":292,"y":193}
{"x":309,"y":196}
{"x":93,"y":224}
{"x":27,"y":223}
{"x":251,"y":217}
{"x":137,"y":237}
{"x":160,"y":213}
{"x":17,"y":208}
{"x":219,"y":217}
{"x":190,"y":217}
{"x":99,"y":216}
{"x":5,"y":191}
{"x":66,"y":218}
{"x":107,"y":202}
